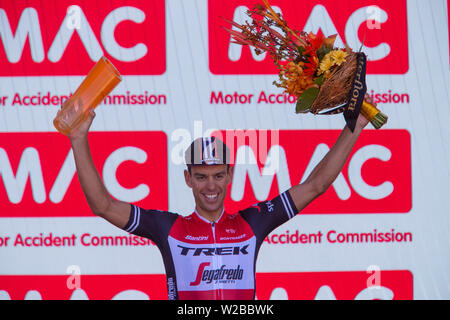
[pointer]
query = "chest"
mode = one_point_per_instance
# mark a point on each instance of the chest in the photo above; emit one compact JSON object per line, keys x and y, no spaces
{"x":213,"y":253}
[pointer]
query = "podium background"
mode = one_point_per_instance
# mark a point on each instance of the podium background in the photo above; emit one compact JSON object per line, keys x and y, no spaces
{"x":182,"y":78}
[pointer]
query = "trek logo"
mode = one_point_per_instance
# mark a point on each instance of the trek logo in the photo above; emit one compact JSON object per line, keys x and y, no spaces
{"x":67,"y":39}
{"x":380,"y":26}
{"x":38,"y":174}
{"x":375,"y":179}
{"x":221,"y":275}
{"x":222,"y":251}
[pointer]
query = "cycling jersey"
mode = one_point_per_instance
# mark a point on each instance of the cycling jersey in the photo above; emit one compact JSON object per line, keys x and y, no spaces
{"x":211,"y":260}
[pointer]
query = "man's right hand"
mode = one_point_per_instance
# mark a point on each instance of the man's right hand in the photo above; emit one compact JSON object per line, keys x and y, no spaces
{"x":80,"y":132}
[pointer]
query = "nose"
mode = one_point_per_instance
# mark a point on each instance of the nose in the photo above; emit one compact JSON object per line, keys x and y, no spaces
{"x":211,"y":184}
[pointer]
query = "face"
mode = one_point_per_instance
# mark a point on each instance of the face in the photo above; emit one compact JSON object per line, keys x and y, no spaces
{"x":209,"y":185}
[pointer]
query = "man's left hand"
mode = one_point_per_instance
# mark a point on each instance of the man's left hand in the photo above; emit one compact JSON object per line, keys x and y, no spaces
{"x":362,"y":121}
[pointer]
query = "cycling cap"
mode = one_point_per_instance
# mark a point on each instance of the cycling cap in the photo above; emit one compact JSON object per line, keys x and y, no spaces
{"x":207,"y":151}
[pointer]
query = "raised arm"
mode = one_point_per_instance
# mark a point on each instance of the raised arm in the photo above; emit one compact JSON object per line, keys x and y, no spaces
{"x":328,"y":169}
{"x":98,"y":198}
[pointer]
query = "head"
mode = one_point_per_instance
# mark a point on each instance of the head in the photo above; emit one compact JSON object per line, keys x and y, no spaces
{"x":208,"y":174}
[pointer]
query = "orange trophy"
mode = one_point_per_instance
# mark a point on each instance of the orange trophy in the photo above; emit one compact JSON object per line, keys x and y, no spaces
{"x":99,"y":82}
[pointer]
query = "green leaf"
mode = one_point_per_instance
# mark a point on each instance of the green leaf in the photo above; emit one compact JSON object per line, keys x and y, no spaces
{"x":319,"y":80}
{"x":306,"y":100}
{"x":362,"y":44}
{"x":322,"y":52}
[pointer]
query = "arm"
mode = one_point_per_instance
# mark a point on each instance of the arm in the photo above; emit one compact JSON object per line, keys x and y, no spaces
{"x":328,"y":169}
{"x":98,"y":198}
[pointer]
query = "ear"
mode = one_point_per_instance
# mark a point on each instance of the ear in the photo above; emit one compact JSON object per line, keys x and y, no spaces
{"x":187,"y":178}
{"x":230,"y":174}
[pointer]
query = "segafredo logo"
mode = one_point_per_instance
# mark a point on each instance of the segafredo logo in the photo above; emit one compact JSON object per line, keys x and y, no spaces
{"x":219,"y":275}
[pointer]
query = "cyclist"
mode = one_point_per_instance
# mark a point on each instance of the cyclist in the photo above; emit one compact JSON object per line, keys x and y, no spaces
{"x":210,"y":254}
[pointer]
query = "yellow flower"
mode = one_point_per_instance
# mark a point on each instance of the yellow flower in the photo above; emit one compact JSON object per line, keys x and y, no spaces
{"x":325,"y":64}
{"x":331,"y":59}
{"x":338,"y":56}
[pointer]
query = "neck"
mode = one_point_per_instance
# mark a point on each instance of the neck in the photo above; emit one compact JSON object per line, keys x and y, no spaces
{"x":211,"y":216}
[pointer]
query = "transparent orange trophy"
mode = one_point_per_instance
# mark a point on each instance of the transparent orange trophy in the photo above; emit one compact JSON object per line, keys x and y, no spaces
{"x":99,"y":82}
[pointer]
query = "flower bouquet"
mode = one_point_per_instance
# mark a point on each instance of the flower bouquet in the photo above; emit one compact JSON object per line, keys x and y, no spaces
{"x":325,"y":79}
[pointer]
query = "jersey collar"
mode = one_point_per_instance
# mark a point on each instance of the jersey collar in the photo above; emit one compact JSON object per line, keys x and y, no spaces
{"x":206,"y":220}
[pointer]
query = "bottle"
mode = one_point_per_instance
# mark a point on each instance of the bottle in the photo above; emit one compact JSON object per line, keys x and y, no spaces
{"x":99,"y":82}
{"x":375,"y":116}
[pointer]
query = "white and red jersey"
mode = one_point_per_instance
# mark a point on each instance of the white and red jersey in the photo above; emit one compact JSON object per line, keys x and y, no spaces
{"x":211,"y":260}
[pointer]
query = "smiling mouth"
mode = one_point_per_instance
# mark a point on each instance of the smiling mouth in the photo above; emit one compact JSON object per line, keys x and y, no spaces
{"x":211,"y":197}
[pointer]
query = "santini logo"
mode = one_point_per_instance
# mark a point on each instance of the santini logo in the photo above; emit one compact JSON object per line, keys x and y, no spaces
{"x":199,"y":238}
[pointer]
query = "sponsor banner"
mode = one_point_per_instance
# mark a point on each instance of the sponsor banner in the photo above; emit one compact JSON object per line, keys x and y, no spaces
{"x":224,"y":98}
{"x":380,"y":26}
{"x":343,"y":285}
{"x":373,"y":284}
{"x":375,"y":179}
{"x":82,"y":240}
{"x":46,"y":47}
{"x":38,"y":170}
{"x":93,"y":240}
{"x":47,"y":98}
{"x":38,"y":173}
{"x":333,"y":236}
{"x":67,"y":38}
{"x":74,"y":286}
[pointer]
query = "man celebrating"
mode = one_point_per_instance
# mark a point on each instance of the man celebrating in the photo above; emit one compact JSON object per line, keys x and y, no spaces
{"x":210,"y":254}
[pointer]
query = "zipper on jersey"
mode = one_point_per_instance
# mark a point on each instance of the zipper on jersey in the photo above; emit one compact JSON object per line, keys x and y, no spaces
{"x":215,"y":261}
{"x":213,"y":227}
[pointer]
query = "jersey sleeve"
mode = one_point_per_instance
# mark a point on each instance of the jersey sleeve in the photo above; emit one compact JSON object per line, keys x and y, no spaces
{"x":152,"y":224}
{"x":265,"y":216}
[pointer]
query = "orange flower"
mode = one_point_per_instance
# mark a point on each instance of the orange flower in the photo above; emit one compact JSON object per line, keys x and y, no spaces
{"x":293,"y":79}
{"x":312,"y":62}
{"x":316,"y":40}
